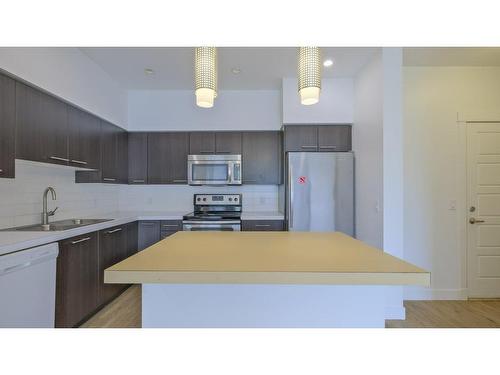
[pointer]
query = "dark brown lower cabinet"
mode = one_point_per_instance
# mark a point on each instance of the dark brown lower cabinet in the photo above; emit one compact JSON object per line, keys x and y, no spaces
{"x":169,"y":227}
{"x":149,"y":233}
{"x":132,"y":238}
{"x":112,"y":249}
{"x":77,"y":284}
{"x":262,"y":225}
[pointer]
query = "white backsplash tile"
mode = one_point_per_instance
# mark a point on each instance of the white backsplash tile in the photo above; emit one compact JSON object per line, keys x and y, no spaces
{"x":21,"y":198}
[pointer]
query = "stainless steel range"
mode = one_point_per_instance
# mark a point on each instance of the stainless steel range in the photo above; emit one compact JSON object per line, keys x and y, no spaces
{"x":214,"y":212}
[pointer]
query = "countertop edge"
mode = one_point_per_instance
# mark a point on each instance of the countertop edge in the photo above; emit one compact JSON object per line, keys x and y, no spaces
{"x":331,"y":278}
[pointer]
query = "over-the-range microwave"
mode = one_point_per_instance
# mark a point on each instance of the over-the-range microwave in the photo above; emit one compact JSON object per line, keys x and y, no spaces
{"x":214,"y":169}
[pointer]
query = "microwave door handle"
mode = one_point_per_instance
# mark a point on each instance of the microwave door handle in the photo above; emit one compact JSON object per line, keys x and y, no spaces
{"x":229,"y":172}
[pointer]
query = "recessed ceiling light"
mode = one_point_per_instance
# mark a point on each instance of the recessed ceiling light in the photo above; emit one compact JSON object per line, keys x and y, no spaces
{"x":149,"y":71}
{"x":327,"y":63}
{"x":236,"y":70}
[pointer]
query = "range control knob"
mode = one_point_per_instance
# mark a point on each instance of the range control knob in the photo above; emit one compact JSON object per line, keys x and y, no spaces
{"x":198,"y":199}
{"x":230,"y":199}
{"x":204,"y":199}
{"x":235,"y":199}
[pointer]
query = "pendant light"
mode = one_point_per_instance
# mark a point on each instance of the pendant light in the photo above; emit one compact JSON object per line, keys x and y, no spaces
{"x":309,"y":75}
{"x":205,"y":66}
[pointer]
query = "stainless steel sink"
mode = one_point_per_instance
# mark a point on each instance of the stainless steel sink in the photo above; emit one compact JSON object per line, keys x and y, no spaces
{"x":58,"y":225}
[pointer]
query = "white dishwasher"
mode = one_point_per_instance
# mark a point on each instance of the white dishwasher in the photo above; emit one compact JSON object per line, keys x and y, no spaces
{"x":28,"y":287}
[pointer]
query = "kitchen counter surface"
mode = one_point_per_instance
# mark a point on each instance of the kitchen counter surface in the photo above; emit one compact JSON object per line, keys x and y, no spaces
{"x":265,"y":258}
{"x":12,"y":241}
{"x":262,"y":215}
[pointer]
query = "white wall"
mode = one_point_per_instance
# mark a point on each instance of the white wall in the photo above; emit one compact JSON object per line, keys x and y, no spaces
{"x":21,"y":198}
{"x":335,"y":103}
{"x":177,"y":110}
{"x":367,"y":146}
{"x":71,"y":75}
{"x":433,"y":159}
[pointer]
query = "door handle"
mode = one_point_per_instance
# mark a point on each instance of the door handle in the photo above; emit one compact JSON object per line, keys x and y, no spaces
{"x":114,"y":231}
{"x":475,"y":221}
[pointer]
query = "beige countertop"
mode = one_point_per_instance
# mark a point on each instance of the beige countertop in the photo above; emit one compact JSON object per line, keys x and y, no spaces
{"x":265,"y":258}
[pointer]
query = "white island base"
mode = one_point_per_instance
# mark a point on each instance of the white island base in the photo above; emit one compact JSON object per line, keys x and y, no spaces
{"x":262,"y":306}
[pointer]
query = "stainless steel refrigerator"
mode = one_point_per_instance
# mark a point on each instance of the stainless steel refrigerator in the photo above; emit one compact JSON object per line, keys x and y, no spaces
{"x":320,"y":192}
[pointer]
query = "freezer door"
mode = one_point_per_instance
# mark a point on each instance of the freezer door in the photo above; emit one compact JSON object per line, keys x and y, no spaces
{"x":320,"y":192}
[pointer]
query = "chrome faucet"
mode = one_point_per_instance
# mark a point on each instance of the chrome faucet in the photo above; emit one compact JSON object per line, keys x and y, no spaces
{"x":45,"y":214}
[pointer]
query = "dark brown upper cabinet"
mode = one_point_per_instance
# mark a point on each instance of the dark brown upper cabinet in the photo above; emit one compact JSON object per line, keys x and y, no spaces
{"x":138,"y":158}
{"x":42,"y":126}
{"x":301,"y":138}
{"x":167,"y":157}
{"x":214,"y":143}
{"x":84,"y":139}
{"x":334,"y":138}
{"x":114,"y":150}
{"x":201,"y":143}
{"x":122,"y":156}
{"x":228,"y":143}
{"x":314,"y":138}
{"x":7,"y":126}
{"x":261,"y":158}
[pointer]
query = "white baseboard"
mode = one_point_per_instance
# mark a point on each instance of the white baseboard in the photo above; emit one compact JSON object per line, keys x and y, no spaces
{"x":420,"y":293}
{"x":395,"y":312}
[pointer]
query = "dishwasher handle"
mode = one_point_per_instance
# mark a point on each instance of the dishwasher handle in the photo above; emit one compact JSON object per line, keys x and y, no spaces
{"x":26,"y":258}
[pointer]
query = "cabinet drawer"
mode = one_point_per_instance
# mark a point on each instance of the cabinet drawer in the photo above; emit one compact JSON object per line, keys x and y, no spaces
{"x":262,"y":225}
{"x":171,"y":225}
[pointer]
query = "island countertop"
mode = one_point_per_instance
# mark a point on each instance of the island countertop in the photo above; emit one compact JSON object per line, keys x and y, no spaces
{"x":264,"y":258}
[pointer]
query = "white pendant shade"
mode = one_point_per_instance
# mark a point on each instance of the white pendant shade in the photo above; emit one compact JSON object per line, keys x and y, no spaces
{"x":309,"y":75}
{"x":205,"y":76}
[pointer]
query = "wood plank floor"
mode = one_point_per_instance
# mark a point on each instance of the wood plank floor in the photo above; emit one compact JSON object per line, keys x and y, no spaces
{"x":125,"y":312}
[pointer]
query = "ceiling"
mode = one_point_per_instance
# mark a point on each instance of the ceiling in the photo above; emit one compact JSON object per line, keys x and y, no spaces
{"x":261,"y":67}
{"x":451,"y":56}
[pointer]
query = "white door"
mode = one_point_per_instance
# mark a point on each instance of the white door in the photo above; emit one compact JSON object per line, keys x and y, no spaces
{"x":483,"y":235}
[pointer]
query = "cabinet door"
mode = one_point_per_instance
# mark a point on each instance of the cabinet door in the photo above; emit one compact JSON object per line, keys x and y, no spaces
{"x":301,"y":138}
{"x":7,"y":126}
{"x":167,"y":158}
{"x":54,"y":130}
{"x":132,"y":238}
{"x":28,"y":123}
{"x":84,"y":139}
{"x":149,"y":233}
{"x":201,"y":143}
{"x":109,"y":147}
{"x":137,"y":158}
{"x":112,"y":249}
{"x":169,"y":227}
{"x":228,"y":143}
{"x":77,"y":280}
{"x":262,"y":225}
{"x":261,"y":159}
{"x":122,"y":155}
{"x":334,"y":138}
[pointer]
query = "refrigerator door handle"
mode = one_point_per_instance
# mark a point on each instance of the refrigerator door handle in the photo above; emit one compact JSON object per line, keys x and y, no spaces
{"x":290,"y":198}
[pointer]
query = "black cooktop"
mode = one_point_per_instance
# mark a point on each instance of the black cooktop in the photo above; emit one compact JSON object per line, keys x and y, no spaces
{"x":214,"y":216}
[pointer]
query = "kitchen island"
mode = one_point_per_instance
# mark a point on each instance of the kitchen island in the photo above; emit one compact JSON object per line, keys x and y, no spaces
{"x":264,"y":279}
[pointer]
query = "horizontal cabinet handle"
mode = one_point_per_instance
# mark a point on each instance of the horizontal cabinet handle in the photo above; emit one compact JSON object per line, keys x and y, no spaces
{"x":114,"y":231}
{"x":79,"y":241}
{"x":206,"y":152}
{"x":1,"y":170}
{"x":170,"y":225}
{"x":58,"y":158}
{"x":328,"y":147}
{"x":79,"y":162}
{"x":308,"y":146}
{"x":148,"y":224}
{"x":138,"y":181}
{"x":109,"y":179}
{"x":262,"y":225}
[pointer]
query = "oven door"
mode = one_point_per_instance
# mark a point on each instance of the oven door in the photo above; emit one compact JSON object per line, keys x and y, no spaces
{"x":211,"y":226}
